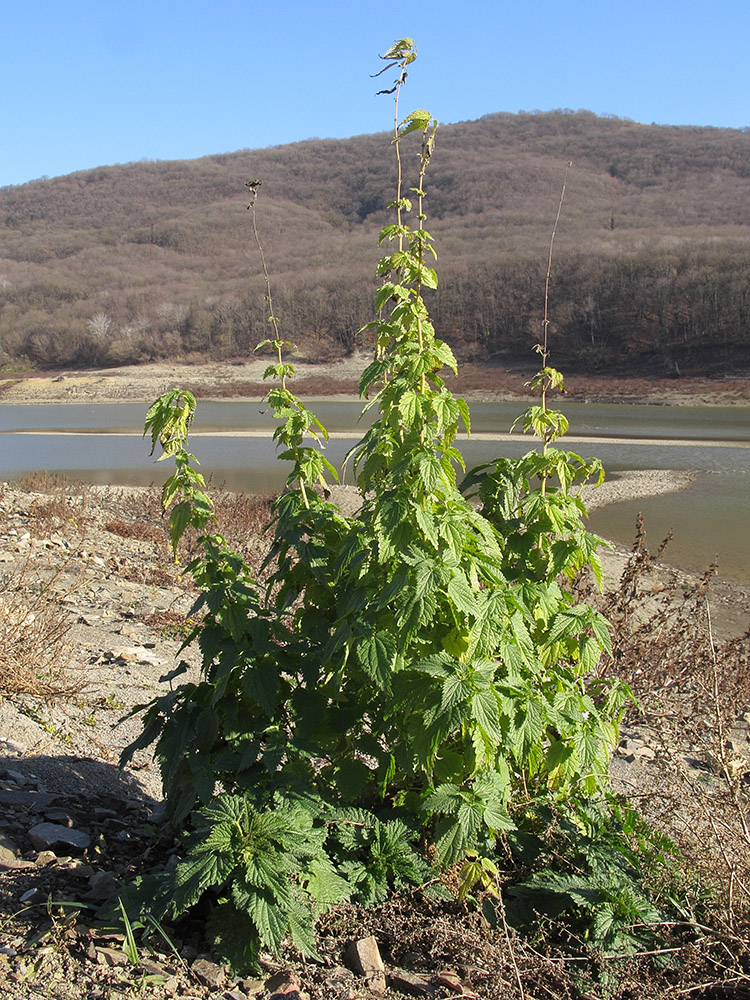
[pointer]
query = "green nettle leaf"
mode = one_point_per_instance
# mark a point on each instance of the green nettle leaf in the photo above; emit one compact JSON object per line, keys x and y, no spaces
{"x":270,"y":920}
{"x":409,"y":406}
{"x":376,"y":654}
{"x":486,"y":712}
{"x":428,"y":525}
{"x":451,"y":841}
{"x":456,"y":690}
{"x":325,"y":885}
{"x":559,"y":758}
{"x":260,"y":681}
{"x":179,"y":519}
{"x":350,"y":777}
{"x":462,"y":595}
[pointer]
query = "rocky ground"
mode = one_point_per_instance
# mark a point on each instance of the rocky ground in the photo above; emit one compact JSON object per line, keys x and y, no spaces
{"x":76,"y":655}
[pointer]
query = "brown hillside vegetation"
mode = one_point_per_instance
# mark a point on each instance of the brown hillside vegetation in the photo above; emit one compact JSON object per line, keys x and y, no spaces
{"x":152,"y":260}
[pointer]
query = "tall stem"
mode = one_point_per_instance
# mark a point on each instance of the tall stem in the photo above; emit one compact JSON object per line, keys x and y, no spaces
{"x":546,"y":383}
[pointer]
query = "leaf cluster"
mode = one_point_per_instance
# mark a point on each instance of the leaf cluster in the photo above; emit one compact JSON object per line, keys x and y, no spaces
{"x":611,"y":877}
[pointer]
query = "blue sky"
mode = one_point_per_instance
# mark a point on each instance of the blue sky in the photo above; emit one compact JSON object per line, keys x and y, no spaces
{"x":86,"y":84}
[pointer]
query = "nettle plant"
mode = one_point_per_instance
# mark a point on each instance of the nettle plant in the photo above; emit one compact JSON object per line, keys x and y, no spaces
{"x":407,"y":683}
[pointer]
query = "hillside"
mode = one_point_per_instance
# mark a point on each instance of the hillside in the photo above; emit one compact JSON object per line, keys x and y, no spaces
{"x":154,"y":259}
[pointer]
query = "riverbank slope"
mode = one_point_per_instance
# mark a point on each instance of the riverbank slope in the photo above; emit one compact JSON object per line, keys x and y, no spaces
{"x":244,"y":379}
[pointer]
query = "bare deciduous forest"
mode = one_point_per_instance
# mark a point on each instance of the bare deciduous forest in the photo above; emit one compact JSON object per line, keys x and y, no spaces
{"x":152,"y":260}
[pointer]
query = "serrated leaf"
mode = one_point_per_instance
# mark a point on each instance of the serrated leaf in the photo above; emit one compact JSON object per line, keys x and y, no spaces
{"x":600,"y":628}
{"x":497,"y":818}
{"x":427,"y":524}
{"x":302,"y":930}
{"x":462,"y":595}
{"x":179,"y":519}
{"x":269,"y":919}
{"x":484,"y":709}
{"x":450,"y":841}
{"x":559,"y":759}
{"x":409,"y":406}
{"x":260,"y":680}
{"x":445,"y":799}
{"x":463,"y":409}
{"x":376,"y":655}
{"x":325,"y":885}
{"x":455,"y":691}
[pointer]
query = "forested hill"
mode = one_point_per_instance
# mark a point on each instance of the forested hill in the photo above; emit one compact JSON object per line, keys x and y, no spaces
{"x":153,"y":259}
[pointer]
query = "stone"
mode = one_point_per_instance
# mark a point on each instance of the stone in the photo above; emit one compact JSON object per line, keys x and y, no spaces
{"x":18,"y":776}
{"x":60,"y":816}
{"x":35,"y":801}
{"x":209,"y":973}
{"x":45,"y":858}
{"x":340,"y":975}
{"x":8,"y":848}
{"x":11,"y":864}
{"x":450,"y":980}
{"x":252,"y":986}
{"x":411,"y":983}
{"x":79,"y":868}
{"x":33,"y":896}
{"x":111,"y":956}
{"x":44,"y":836}
{"x":102,"y":886}
{"x":135,"y":654}
{"x":364,"y":957}
{"x":152,"y":967}
{"x":282,"y":983}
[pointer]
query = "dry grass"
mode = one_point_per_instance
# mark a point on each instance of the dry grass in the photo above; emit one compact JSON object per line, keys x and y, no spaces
{"x":35,"y":657}
{"x":693,"y":698}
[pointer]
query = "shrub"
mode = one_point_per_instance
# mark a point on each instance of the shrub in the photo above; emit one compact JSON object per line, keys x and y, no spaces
{"x":416,"y":676}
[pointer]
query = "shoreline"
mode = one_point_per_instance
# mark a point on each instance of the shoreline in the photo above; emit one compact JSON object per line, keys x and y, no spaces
{"x":317,"y":381}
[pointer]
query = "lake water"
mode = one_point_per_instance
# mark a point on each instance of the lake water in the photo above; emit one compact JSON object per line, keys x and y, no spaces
{"x":102,"y":443}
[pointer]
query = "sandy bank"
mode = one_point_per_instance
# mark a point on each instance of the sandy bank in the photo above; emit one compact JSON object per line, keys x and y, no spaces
{"x":237,"y":380}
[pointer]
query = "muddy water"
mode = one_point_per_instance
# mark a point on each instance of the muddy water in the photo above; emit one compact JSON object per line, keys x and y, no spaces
{"x":102,"y":443}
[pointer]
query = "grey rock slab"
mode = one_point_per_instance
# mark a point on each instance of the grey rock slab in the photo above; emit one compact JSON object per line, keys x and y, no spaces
{"x":60,"y":816}
{"x":102,"y":885}
{"x":17,"y":776}
{"x":44,"y":836}
{"x":111,"y":956}
{"x":135,"y":654}
{"x":35,"y":801}
{"x":282,"y":982}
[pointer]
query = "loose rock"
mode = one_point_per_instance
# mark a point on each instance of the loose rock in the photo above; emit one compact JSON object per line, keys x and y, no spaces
{"x":44,"y":836}
{"x":364,"y":957}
